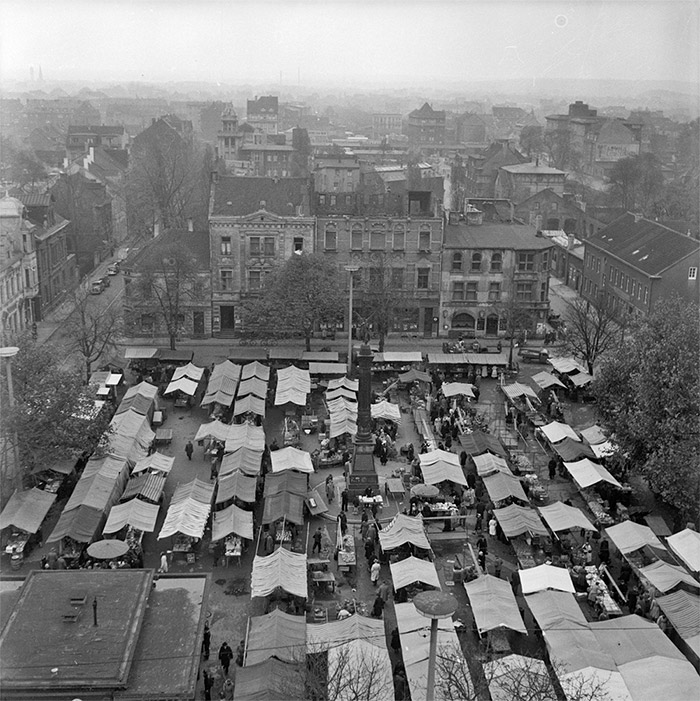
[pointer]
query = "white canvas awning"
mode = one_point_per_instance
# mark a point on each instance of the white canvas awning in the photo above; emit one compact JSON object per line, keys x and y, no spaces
{"x":518,"y":389}
{"x":236,"y":484}
{"x":562,"y":517}
{"x":293,"y":385}
{"x":328,"y":368}
{"x":140,"y":352}
{"x":291,"y":458}
{"x":156,"y":462}
{"x":493,"y":604}
{"x":247,"y":460}
{"x":404,"y":529}
{"x":544,"y":577}
{"x":545,"y":380}
{"x":454,"y":389}
{"x":411,"y":570}
{"x":441,"y":466}
{"x":214,"y":429}
{"x":245,"y":436}
{"x":686,"y":544}
{"x":184,"y":385}
{"x":398,"y":357}
{"x":665,"y":576}
{"x":190,"y":370}
{"x":27,"y":510}
{"x":342,"y":404}
{"x":283,"y":569}
{"x":136,"y":513}
{"x":386,"y":410}
{"x":517,"y":520}
{"x":586,"y":473}
{"x":145,"y":389}
{"x":341,"y":393}
{"x":253,"y":385}
{"x":580,"y":379}
{"x":629,"y":536}
{"x":566,"y":366}
{"x":342,"y":423}
{"x":500,"y":486}
{"x":230,"y":520}
{"x":556,"y":431}
{"x":255,"y":369}
{"x":487,"y":464}
{"x":249,"y":404}
{"x":189,"y":510}
{"x":593,"y":435}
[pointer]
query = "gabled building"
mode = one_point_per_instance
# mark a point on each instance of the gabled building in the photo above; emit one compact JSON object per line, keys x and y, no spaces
{"x":263,"y":113}
{"x":482,"y":168}
{"x":550,"y":211}
{"x":426,"y":126}
{"x":634,"y":262}
{"x":254,"y":225}
{"x":80,"y":139}
{"x":518,"y":182}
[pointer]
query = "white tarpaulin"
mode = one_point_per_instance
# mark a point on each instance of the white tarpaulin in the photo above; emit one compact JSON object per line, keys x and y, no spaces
{"x":328,"y":368}
{"x":189,"y":370}
{"x":586,"y":473}
{"x":232,"y":519}
{"x":249,"y":404}
{"x":136,"y":513}
{"x":665,"y":577}
{"x":341,"y":392}
{"x":214,"y":429}
{"x":398,"y":357}
{"x":156,"y":462}
{"x":283,"y":569}
{"x":501,"y":485}
{"x":487,"y":464}
{"x":545,"y":380}
{"x":245,"y":436}
{"x":255,"y":369}
{"x":411,"y":570}
{"x":493,"y":604}
{"x":556,"y":431}
{"x":517,"y":389}
{"x":440,"y":466}
{"x":386,"y":410}
{"x":184,"y":385}
{"x":293,"y":385}
{"x":629,"y":536}
{"x":342,"y":404}
{"x":145,"y":389}
{"x":455,"y":389}
{"x":562,"y":517}
{"x":544,"y":577}
{"x":341,"y":423}
{"x":593,"y":435}
{"x":566,"y":366}
{"x":345,"y":382}
{"x":291,"y":458}
{"x":253,"y":385}
{"x":686,"y":545}
{"x":222,"y":385}
{"x":247,"y":460}
{"x":189,"y":510}
{"x":404,"y":529}
{"x":517,"y":520}
{"x":603,"y":450}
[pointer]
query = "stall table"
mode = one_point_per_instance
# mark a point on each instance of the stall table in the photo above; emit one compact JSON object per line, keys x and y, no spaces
{"x":234,"y":550}
{"x":164,"y":436}
{"x":17,"y":543}
{"x":604,"y":600}
{"x":367,"y":501}
{"x":158,"y":418}
{"x":395,"y":487}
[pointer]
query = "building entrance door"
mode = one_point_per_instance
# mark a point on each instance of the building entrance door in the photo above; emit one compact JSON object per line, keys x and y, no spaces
{"x":228,"y":319}
{"x":491,"y":325}
{"x":198,"y":323}
{"x":428,"y":322}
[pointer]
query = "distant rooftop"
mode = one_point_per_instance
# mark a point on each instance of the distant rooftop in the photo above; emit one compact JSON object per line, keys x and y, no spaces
{"x":238,"y":196}
{"x":494,"y":235}
{"x":532,"y":168}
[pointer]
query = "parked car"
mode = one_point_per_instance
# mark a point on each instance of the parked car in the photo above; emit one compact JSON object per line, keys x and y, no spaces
{"x":97,"y":287}
{"x":113,"y":269}
{"x":534,"y":355}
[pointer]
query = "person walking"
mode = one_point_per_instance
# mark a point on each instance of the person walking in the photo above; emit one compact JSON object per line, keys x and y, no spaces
{"x":227,"y":689}
{"x":208,"y":684}
{"x":374,"y":572}
{"x":163,"y":563}
{"x":378,"y":607}
{"x":369,"y":550}
{"x":383,"y":590}
{"x":206,"y":641}
{"x":497,"y":567}
{"x":318,"y":536}
{"x":492,"y":526}
{"x":482,"y":560}
{"x":344,"y":500}
{"x":552,"y":466}
{"x":225,"y":656}
{"x":343,"y":523}
{"x":330,"y":488}
{"x":189,"y":449}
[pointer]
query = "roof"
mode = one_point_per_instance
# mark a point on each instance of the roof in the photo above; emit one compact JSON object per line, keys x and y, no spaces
{"x":545,"y":577}
{"x":570,"y":450}
{"x":686,"y":544}
{"x":195,"y":243}
{"x":276,"y":634}
{"x":230,"y":520}
{"x":644,"y":244}
{"x":556,"y":431}
{"x":27,"y":510}
{"x":96,"y":130}
{"x":246,"y":459}
{"x":493,"y":235}
{"x":249,"y":404}
{"x":411,"y":570}
{"x":291,"y":458}
{"x":441,"y":466}
{"x":487,"y":464}
{"x":665,"y":576}
{"x":532,"y":169}
{"x":683,"y":612}
{"x":500,"y":486}
{"x":284,"y":505}
{"x":148,"y":485}
{"x":494,"y":605}
{"x":238,"y":196}
{"x":562,"y":517}
{"x":289,"y":481}
{"x":587,"y":473}
{"x":283,"y":569}
{"x":404,"y":529}
{"x":270,"y":680}
{"x":134,"y":512}
{"x":478,"y":442}
{"x":629,"y":536}
{"x":427,"y":112}
{"x":516,"y":520}
{"x":36,"y":199}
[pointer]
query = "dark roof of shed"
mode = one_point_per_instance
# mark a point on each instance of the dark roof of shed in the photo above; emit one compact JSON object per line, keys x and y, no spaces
{"x":427,"y":112}
{"x":508,"y":236}
{"x":644,"y":244}
{"x":238,"y":196}
{"x":36,"y":199}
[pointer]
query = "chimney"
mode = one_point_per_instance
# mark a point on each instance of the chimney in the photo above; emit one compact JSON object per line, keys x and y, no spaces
{"x":570,"y":241}
{"x":190,"y":226}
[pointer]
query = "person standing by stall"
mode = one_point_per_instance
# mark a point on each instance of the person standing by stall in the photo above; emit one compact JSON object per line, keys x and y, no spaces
{"x":225,"y":656}
{"x":189,"y":449}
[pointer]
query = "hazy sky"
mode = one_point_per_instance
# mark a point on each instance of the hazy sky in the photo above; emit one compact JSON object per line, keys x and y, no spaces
{"x":368,"y":41}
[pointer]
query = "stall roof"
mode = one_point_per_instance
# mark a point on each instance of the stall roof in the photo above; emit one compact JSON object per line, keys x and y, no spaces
{"x":154,"y":461}
{"x":517,"y":389}
{"x":287,"y":481}
{"x":500,"y":486}
{"x":346,"y":382}
{"x":220,"y":390}
{"x":291,"y":353}
{"x":167,"y":355}
{"x":341,"y":424}
{"x":197,"y":489}
{"x":187,"y":515}
{"x":342,"y":404}
{"x":629,"y":536}
{"x":686,"y":545}
{"x":658,"y":525}
{"x":134,"y":512}
{"x":283,"y":569}
{"x":412,"y":375}
{"x":290,"y":395}
{"x":250,"y":404}
{"x":108,"y":466}
{"x":79,"y":524}
{"x":593,"y":435}
{"x":236,"y":484}
{"x":603,"y":450}
{"x":683,"y":612}
{"x":556,"y":431}
{"x":276,"y":634}
{"x":291,"y":458}
{"x":454,"y":389}
{"x":398,"y":357}
{"x":545,"y":380}
{"x":386,"y":410}
{"x":255,"y":369}
{"x":369,"y":666}
{"x":665,"y":576}
{"x":516,"y":520}
{"x":315,"y":501}
{"x":404,"y":529}
{"x":487,"y":464}
{"x":341,"y":392}
{"x":494,"y":605}
{"x":320,"y":356}
{"x":140,"y":352}
{"x":478,"y":442}
{"x":253,"y":385}
{"x":137,"y":402}
{"x":184,"y":385}
{"x":148,"y":485}
{"x":144,"y":388}
{"x":487,"y":359}
{"x":245,"y":459}
{"x":545,"y":577}
{"x":562,"y":517}
{"x":247,"y":354}
{"x":327,"y":368}
{"x":190,"y":370}
{"x":570,"y":450}
{"x":270,"y":680}
{"x":566,"y":366}
{"x":580,"y":379}
{"x":517,"y":677}
{"x":411,"y":570}
{"x":446,"y":359}
{"x":96,"y":490}
{"x":214,"y":429}
{"x":439,"y":468}
{"x":325,"y":635}
{"x":284,"y":506}
{"x":232,"y":519}
{"x":586,"y":473}
{"x":63,"y":467}
{"x":245,"y":436}
{"x":294,"y":376}
{"x":27,"y":510}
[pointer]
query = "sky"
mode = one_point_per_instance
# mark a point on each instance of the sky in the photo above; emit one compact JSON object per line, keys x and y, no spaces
{"x":349,"y":41}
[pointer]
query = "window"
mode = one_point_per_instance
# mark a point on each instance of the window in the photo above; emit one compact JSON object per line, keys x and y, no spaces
{"x":397,"y":278}
{"x":496,"y":262}
{"x":399,"y":238}
{"x":298,"y":244}
{"x":543,"y":292}
{"x":322,"y":200}
{"x":692,"y":273}
{"x":269,"y":246}
{"x":472,"y":288}
{"x":494,"y":292}
{"x":225,"y":245}
{"x":588,"y":285}
{"x":646,"y":294}
{"x":377,"y":239}
{"x":458,"y":291}
{"x":254,"y":279}
{"x":333,"y":200}
{"x":526,"y":261}
{"x":634,"y":288}
{"x":226,"y":279}
{"x":597,"y":265}
{"x":545,"y":260}
{"x":147,"y":322}
{"x":476,"y":262}
{"x":423,"y":281}
{"x":356,"y":239}
{"x":376,"y":278}
{"x":456,"y":262}
{"x":523,"y":292}
{"x":330,"y":242}
{"x":254,"y":245}
{"x":424,"y":240}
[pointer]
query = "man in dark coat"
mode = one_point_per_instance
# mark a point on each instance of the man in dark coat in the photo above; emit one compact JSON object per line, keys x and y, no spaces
{"x":206,"y":641}
{"x":225,"y":656}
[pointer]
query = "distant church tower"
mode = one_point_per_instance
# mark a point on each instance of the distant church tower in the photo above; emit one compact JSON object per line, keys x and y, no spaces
{"x":41,"y":76}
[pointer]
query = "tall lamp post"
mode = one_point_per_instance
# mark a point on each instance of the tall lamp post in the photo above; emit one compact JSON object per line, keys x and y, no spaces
{"x":351,"y":269}
{"x":9,"y":352}
{"x":434,"y":605}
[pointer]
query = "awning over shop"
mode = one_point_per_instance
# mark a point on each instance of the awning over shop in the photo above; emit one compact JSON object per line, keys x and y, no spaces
{"x":580,"y":379}
{"x":658,"y":525}
{"x":325,"y":635}
{"x":587,"y":473}
{"x":545,"y":577}
{"x":247,"y":354}
{"x":328,"y":368}
{"x":398,"y":357}
{"x":516,"y":520}
{"x":80,"y":524}
{"x":686,"y":545}
{"x":156,"y":462}
{"x":191,"y":371}
{"x":147,"y":486}
{"x":566,"y":366}
{"x":411,"y":570}
{"x":236,"y":484}
{"x":545,"y":380}
{"x":446,"y":359}
{"x":255,"y":369}
{"x":135,"y":513}
{"x":184,"y":385}
{"x":517,"y":677}
{"x":246,"y":460}
{"x":245,"y":436}
{"x":288,"y":353}
{"x":562,"y":517}
{"x":230,"y":520}
{"x":493,"y":604}
{"x":291,"y":458}
{"x":404,"y":529}
{"x":189,"y":510}
{"x":130,"y":436}
{"x":287,"y":481}
{"x":341,"y":423}
{"x":222,"y":385}
{"x":500,"y":486}
{"x":140,"y":352}
{"x":386,"y":410}
{"x":284,"y":506}
{"x":629,"y":536}
{"x":106,"y":378}
{"x":293,"y":385}
{"x":270,"y":680}
{"x":281,"y":570}
{"x":457,"y":389}
{"x":214,"y":429}
{"x":144,"y":388}
{"x":320,"y":356}
{"x":556,"y":431}
{"x":683,"y":612}
{"x":666,"y":577}
{"x":487,"y":464}
{"x":347,"y":383}
{"x":253,"y":385}
{"x":27,"y":510}
{"x":441,"y":466}
{"x":570,"y":450}
{"x":63,"y":467}
{"x":276,"y":634}
{"x":478,"y":442}
{"x":249,"y":404}
{"x":517,"y":390}
{"x":412,"y":375}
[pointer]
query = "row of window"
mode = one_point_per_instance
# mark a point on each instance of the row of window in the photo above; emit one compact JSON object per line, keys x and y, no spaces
{"x":260,"y":246}
{"x":463,"y":291}
{"x":377,"y":239}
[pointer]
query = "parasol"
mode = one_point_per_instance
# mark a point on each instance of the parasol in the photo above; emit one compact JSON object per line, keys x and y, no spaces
{"x":425,"y":491}
{"x":107,"y":549}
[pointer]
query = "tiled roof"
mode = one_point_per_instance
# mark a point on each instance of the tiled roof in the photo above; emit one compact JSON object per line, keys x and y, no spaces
{"x":196,"y":242}
{"x":427,"y":112}
{"x":238,"y":196}
{"x":506,"y":236}
{"x":644,"y":244}
{"x":36,"y":199}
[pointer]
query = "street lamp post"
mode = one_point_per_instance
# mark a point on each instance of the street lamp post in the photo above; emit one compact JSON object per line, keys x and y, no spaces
{"x":9,"y":352}
{"x":351,"y":269}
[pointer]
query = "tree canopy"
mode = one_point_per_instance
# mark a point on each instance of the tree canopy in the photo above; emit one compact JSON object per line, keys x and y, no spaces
{"x":636,"y":182}
{"x":648,"y":393}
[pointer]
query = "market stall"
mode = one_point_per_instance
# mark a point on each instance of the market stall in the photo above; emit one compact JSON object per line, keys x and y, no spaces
{"x":403,"y":529}
{"x":562,"y":517}
{"x":271,"y":679}
{"x":487,"y":464}
{"x":235,"y":485}
{"x":683,"y":613}
{"x":396,"y":361}
{"x":221,"y":388}
{"x":413,"y":570}
{"x":665,"y":577}
{"x":250,"y":404}
{"x":283,"y":507}
{"x":146,"y":486}
{"x":501,"y":486}
{"x":293,"y":386}
{"x":556,"y":431}
{"x":441,"y":466}
{"x":288,"y":481}
{"x":570,"y":450}
{"x":137,"y":514}
{"x":545,"y":577}
{"x":245,"y":435}
{"x":686,"y":545}
{"x":587,"y":473}
{"x":252,"y":385}
{"x":230,"y":522}
{"x":317,"y":370}
{"x":155,"y":462}
{"x":21,"y":519}
{"x":291,"y":458}
{"x":414,"y":375}
{"x":214,"y":430}
{"x":637,"y":543}
{"x":276,"y":634}
{"x":129,"y":436}
{"x":517,"y":677}
{"x":494,"y":605}
{"x":247,"y":460}
{"x":281,"y":570}
{"x":478,"y":442}
{"x":387,"y":411}
{"x":184,"y":390}
{"x":255,"y":369}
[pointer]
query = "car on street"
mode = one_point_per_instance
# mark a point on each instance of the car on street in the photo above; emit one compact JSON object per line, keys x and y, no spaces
{"x":113,"y":269}
{"x":534,"y":355}
{"x":97,"y":287}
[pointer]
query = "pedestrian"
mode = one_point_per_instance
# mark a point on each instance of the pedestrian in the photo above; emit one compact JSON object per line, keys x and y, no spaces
{"x":372,"y":533}
{"x":364,"y":526}
{"x":268,"y":544}
{"x":369,"y":550}
{"x":604,"y":552}
{"x":343,"y":523}
{"x":482,"y":560}
{"x":632,"y":599}
{"x":492,"y":526}
{"x":240,"y":653}
{"x":206,"y":641}
{"x":208,"y":684}
{"x":482,"y":544}
{"x":189,"y":449}
{"x":318,"y":536}
{"x":378,"y":607}
{"x":344,"y":500}
{"x":163,"y":563}
{"x":225,"y":656}
{"x":227,"y":689}
{"x":383,"y":590}
{"x":61,"y":563}
{"x":330,"y":488}
{"x":374,"y":572}
{"x":587,"y":552}
{"x":552,"y":465}
{"x":497,"y":566}
{"x":463,"y":511}
{"x":515,"y":581}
